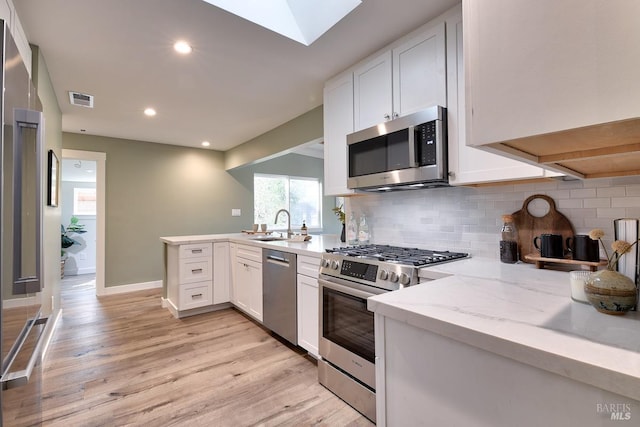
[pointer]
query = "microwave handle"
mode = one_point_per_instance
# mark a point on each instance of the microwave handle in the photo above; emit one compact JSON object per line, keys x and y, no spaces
{"x":413,"y":161}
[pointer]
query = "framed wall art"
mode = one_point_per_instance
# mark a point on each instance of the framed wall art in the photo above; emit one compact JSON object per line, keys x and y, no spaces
{"x":53,"y":165}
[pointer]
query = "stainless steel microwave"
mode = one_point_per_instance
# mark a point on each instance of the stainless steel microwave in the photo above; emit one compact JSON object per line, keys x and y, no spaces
{"x":405,"y":153}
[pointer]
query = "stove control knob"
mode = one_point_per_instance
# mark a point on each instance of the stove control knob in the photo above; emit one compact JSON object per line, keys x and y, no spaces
{"x":404,"y":279}
{"x":384,"y":275}
{"x":335,"y":265}
{"x":324,"y":263}
{"x":393,"y":277}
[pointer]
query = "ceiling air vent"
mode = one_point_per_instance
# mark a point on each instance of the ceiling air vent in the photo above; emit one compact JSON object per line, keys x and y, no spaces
{"x":81,"y":99}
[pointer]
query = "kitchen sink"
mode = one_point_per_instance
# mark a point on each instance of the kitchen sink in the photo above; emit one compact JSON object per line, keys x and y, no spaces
{"x":268,"y":238}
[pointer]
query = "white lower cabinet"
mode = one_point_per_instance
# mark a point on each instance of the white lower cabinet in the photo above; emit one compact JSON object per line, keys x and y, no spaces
{"x":189,"y":277}
{"x":308,"y":301}
{"x":247,"y":279}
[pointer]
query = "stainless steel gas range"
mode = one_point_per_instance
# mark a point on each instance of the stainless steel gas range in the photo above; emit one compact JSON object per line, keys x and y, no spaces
{"x":348,"y":276}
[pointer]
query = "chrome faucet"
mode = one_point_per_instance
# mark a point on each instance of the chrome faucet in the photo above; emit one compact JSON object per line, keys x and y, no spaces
{"x":289,"y":232}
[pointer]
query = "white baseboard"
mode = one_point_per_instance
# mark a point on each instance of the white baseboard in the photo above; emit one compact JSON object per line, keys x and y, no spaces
{"x":19,"y":302}
{"x":133,"y":287}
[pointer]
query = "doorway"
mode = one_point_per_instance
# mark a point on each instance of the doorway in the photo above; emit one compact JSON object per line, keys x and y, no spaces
{"x":83,"y":203}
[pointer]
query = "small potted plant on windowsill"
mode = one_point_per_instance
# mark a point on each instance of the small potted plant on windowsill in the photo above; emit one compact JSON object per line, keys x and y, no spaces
{"x":66,"y":241}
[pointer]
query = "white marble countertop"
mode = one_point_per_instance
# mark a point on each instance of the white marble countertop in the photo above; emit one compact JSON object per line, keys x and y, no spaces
{"x":318,"y":244}
{"x":526,"y":314}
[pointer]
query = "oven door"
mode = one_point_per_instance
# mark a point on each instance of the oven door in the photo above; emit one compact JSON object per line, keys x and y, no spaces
{"x":347,"y":328}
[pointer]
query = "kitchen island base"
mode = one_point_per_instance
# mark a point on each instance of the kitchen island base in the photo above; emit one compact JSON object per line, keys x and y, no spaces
{"x":427,"y":379}
{"x":179,"y":314}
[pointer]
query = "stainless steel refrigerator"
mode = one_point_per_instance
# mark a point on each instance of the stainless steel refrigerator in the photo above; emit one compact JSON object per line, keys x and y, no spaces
{"x":23,"y":326}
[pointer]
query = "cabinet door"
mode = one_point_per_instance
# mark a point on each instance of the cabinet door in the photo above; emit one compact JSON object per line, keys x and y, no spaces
{"x":308,"y":314}
{"x":241,"y":280}
{"x":548,"y":65}
{"x":470,"y":165}
{"x":372,"y":89}
{"x":221,"y":272}
{"x":255,"y":289}
{"x":419,"y":72}
{"x":338,"y":123}
{"x":248,"y":287}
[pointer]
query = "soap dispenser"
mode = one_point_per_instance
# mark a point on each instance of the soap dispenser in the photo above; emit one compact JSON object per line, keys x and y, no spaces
{"x":303,"y":229}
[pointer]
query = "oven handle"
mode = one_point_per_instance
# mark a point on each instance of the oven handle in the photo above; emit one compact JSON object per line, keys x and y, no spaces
{"x":347,"y":287}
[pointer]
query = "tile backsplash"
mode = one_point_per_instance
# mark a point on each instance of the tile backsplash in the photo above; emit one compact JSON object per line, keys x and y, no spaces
{"x":469,"y":218}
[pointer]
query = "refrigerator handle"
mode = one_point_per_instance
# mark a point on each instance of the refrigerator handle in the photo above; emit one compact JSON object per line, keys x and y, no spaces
{"x":20,"y":378}
{"x":23,"y":283}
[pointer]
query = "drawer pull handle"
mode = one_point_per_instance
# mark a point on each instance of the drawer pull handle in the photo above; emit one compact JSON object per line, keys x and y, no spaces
{"x":196,"y":251}
{"x":196,"y":296}
{"x":197,"y":270}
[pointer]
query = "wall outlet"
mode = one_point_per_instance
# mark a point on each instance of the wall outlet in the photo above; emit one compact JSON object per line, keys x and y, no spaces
{"x":236,"y":212}
{"x":82,"y":256}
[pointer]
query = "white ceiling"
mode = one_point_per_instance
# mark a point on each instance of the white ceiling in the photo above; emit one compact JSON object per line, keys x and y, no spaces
{"x":240,"y":81}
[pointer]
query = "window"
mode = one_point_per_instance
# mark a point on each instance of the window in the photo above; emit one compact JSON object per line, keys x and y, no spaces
{"x":84,"y":201}
{"x":302,"y":197}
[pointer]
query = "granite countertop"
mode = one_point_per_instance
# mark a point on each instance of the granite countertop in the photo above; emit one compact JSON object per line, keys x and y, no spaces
{"x":318,"y":244}
{"x":523,"y":313}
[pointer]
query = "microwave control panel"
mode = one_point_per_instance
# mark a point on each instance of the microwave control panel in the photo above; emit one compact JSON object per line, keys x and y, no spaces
{"x":425,"y":137}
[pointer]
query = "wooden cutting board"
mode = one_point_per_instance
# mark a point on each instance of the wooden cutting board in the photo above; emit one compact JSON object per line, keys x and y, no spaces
{"x":530,"y":226}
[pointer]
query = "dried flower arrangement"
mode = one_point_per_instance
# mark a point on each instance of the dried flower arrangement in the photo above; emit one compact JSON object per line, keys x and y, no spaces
{"x":619,"y":247}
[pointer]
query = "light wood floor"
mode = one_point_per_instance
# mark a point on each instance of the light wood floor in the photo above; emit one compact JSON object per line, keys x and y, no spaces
{"x":123,"y":360}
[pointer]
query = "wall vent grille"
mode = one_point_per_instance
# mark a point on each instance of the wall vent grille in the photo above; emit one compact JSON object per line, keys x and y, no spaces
{"x":81,"y":99}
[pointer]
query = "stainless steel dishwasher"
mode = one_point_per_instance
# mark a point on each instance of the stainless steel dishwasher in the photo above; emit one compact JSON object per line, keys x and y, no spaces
{"x":279,"y":293}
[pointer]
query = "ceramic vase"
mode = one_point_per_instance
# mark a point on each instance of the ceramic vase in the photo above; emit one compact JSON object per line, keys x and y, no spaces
{"x":342,"y":235}
{"x":610,"y":292}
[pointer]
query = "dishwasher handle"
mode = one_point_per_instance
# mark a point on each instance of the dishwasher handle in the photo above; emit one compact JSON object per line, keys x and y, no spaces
{"x":282,"y":261}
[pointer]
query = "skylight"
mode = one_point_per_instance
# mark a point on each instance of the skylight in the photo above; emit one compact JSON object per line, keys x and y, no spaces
{"x":301,"y":20}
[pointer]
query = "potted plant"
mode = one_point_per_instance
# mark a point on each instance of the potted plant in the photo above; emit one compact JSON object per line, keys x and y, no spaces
{"x":67,"y":241}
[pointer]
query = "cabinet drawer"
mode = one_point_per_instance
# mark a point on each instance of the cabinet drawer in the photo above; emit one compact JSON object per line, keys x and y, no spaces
{"x":195,"y":295}
{"x":195,"y":250}
{"x":195,"y":270}
{"x":252,"y":253}
{"x":309,"y":266}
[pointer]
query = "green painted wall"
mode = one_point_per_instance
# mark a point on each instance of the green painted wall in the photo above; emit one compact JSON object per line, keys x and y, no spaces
{"x":304,"y":128}
{"x":155,"y":190}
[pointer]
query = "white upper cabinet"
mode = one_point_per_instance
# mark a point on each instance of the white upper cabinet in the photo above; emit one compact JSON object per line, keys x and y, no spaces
{"x":400,"y":81}
{"x":372,"y":91}
{"x":548,"y":66}
{"x":419,"y":72}
{"x":468,"y":165}
{"x":338,"y":122}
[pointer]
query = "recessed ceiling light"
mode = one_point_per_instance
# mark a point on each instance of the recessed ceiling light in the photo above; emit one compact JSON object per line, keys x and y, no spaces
{"x":149,"y":112}
{"x":205,"y":143}
{"x":182,"y":47}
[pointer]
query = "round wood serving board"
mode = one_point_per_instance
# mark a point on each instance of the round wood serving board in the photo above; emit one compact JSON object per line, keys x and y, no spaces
{"x":530,"y":226}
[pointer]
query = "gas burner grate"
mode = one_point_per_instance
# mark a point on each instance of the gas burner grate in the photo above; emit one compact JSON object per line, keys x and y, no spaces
{"x":398,"y":255}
